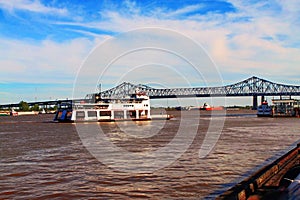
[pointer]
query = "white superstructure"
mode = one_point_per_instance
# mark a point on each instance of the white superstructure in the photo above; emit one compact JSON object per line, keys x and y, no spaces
{"x":136,"y":107}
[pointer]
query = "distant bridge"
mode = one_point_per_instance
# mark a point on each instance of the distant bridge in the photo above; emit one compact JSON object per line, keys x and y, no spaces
{"x":253,"y":86}
{"x":250,"y":87}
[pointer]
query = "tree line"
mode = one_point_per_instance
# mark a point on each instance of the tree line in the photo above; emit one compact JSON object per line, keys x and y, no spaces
{"x":24,"y":106}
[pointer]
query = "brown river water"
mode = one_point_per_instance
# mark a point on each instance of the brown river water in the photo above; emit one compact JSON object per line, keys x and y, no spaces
{"x":40,"y":159}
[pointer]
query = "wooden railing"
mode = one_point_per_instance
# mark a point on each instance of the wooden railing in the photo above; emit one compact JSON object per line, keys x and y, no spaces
{"x":268,"y":176}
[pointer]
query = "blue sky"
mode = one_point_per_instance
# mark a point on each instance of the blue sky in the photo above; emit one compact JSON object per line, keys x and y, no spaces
{"x":44,"y":43}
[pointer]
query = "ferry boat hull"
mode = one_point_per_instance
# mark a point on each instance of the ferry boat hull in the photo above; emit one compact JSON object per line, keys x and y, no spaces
{"x":67,"y":118}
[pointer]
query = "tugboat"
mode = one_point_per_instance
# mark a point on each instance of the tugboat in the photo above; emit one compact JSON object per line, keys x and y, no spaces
{"x":135,"y":108}
{"x":264,"y":110}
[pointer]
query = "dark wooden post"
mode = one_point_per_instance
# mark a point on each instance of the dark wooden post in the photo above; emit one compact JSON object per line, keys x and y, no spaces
{"x":254,"y":107}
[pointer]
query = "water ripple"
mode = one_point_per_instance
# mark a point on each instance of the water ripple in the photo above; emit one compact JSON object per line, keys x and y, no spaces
{"x":41,"y":160}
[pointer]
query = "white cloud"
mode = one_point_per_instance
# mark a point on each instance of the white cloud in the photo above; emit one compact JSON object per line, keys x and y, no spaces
{"x":31,"y":6}
{"x":181,"y":11}
{"x":235,"y":44}
{"x":43,"y":62}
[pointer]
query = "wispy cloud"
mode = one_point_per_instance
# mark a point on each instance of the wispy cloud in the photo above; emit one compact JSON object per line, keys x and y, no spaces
{"x":44,"y":62}
{"x":31,"y":6}
{"x":182,"y":11}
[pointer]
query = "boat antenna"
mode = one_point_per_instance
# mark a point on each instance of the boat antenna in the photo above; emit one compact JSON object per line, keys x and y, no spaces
{"x":99,"y":88}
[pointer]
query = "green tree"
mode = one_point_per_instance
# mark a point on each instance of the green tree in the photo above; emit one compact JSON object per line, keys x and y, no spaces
{"x":55,"y":107}
{"x":35,"y":107}
{"x":23,"y":106}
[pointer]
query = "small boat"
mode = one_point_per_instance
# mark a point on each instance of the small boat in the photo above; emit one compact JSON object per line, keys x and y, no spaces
{"x":193,"y":108}
{"x":13,"y":112}
{"x":210,"y":108}
{"x":19,"y":113}
{"x":264,"y":110}
{"x":42,"y":111}
{"x":134,"y":108}
{"x":4,"y":113}
{"x":27,"y":113}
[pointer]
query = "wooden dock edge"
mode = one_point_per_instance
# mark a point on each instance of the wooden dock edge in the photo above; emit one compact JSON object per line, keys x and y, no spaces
{"x":269,"y":175}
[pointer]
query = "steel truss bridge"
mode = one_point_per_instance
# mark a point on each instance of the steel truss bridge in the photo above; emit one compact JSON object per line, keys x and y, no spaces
{"x":253,"y":86}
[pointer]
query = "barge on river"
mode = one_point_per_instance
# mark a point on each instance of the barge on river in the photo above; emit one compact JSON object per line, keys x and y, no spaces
{"x":135,"y":108}
{"x":286,"y":107}
{"x":280,"y":108}
{"x":278,"y":180}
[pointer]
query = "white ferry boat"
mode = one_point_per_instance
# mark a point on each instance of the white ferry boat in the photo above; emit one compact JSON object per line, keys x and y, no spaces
{"x":264,"y":110}
{"x":136,"y":108}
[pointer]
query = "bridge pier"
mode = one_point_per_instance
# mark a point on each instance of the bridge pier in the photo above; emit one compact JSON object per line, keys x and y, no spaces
{"x":262,"y":99}
{"x":254,"y":105}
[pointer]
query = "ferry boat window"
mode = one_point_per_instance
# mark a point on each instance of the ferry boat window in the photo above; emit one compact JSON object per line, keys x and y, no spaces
{"x":92,"y":114}
{"x":105,"y":113}
{"x":119,"y":114}
{"x":80,"y":114}
{"x":103,"y":106}
{"x":65,"y":105}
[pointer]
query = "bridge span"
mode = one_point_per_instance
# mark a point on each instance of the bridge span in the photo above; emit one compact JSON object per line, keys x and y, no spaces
{"x":254,"y":86}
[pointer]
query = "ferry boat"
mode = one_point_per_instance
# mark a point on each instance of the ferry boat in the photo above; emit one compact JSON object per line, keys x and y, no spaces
{"x":264,"y":110}
{"x":136,"y":108}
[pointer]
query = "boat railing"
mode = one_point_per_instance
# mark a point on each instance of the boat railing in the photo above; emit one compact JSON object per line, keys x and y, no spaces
{"x":269,"y":175}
